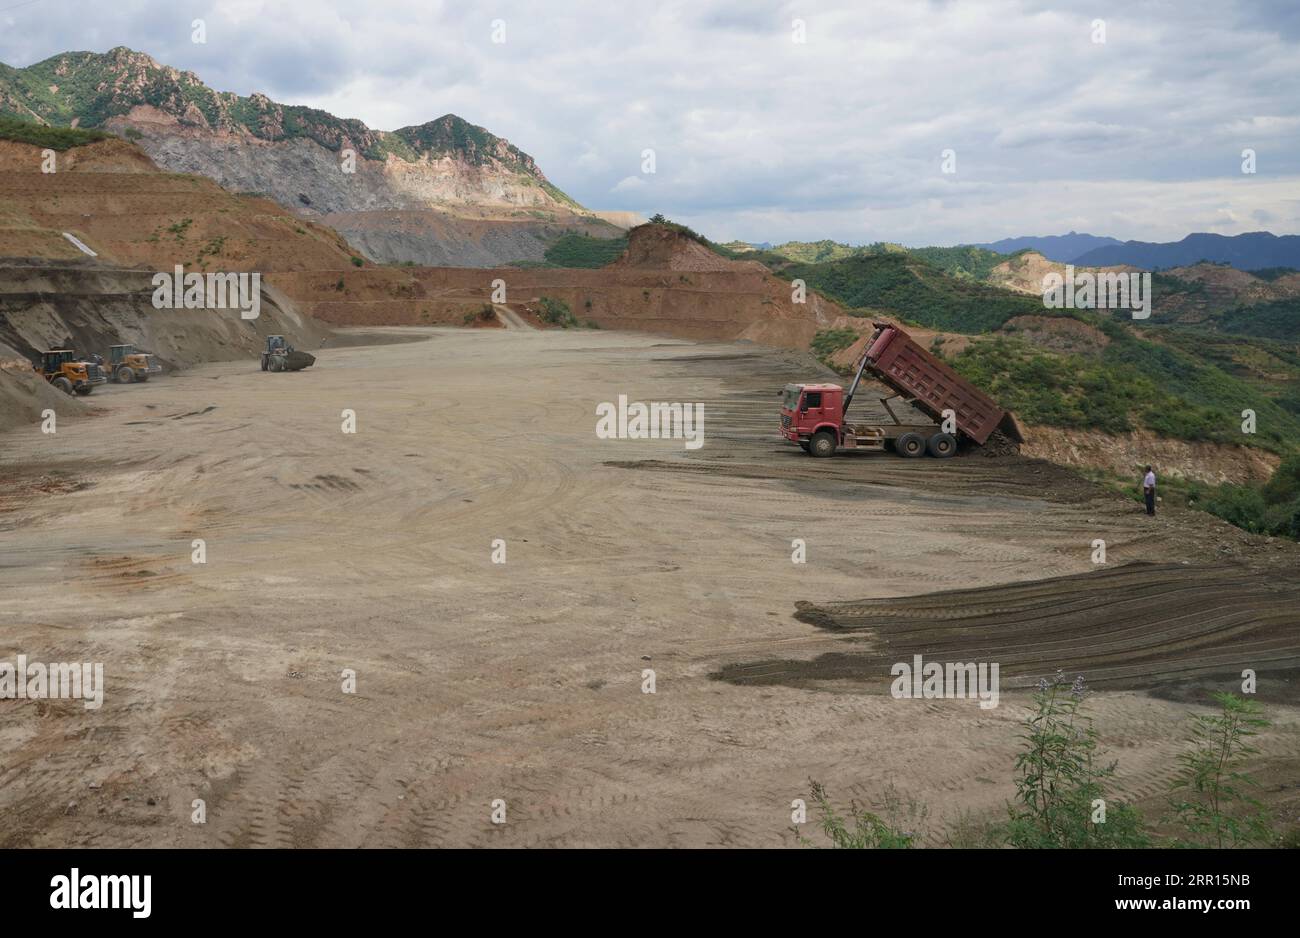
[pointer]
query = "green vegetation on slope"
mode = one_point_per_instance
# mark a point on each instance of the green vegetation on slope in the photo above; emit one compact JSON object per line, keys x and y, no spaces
{"x":556,"y":313}
{"x":1273,"y":508}
{"x":829,"y":341}
{"x":1133,"y":383}
{"x":965,"y":263}
{"x":1276,"y":319}
{"x":53,"y":138}
{"x":915,"y":290}
{"x":579,"y":250}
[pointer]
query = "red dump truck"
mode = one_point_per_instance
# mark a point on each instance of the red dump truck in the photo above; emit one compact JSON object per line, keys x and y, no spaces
{"x":813,"y":415}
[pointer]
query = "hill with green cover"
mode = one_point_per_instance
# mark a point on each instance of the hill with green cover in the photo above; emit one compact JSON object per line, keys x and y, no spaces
{"x":87,"y":89}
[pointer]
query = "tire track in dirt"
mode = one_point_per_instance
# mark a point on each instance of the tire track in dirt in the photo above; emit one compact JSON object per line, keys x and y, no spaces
{"x":1132,"y":626}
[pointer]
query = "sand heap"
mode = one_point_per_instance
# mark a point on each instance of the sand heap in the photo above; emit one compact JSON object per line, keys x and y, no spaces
{"x":661,"y":247}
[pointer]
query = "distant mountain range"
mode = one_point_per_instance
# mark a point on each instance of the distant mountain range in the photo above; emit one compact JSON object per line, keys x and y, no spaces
{"x":1255,"y":250}
{"x":1060,"y":248}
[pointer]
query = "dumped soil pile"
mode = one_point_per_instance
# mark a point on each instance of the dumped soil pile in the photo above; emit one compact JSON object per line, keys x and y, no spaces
{"x":998,"y":444}
{"x":24,"y":393}
{"x":659,"y":247}
{"x":1135,"y":626}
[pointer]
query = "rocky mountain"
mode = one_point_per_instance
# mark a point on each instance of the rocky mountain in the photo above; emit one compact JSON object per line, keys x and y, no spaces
{"x":459,"y":194}
{"x":1254,"y":250}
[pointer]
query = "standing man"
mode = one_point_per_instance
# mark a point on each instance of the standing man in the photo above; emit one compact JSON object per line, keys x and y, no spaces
{"x":1149,"y":490}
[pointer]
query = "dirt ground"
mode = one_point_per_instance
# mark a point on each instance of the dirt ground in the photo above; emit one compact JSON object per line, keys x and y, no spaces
{"x":523,"y":681}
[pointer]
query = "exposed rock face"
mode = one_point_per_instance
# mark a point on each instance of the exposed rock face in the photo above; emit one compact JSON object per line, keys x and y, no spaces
{"x":313,"y":163}
{"x":1125,"y":454}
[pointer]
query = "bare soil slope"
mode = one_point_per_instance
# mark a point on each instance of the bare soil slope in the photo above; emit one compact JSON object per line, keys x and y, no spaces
{"x":111,"y":197}
{"x":665,"y":283}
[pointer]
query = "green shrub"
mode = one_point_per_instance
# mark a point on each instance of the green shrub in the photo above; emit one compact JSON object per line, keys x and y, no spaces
{"x":869,"y":830}
{"x":556,"y":313}
{"x":1209,"y":798}
{"x":485,"y":313}
{"x":829,"y":341}
{"x":358,"y":262}
{"x":578,"y":250}
{"x":1060,"y":788}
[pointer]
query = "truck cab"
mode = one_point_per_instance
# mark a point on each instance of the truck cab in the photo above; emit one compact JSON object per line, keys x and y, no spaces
{"x":809,"y":409}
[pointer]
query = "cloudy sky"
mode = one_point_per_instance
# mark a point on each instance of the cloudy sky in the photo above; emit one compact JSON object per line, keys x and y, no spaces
{"x":759,"y":136}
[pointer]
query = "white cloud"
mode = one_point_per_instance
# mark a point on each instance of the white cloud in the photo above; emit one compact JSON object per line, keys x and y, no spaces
{"x":629,"y":184}
{"x":759,"y":137}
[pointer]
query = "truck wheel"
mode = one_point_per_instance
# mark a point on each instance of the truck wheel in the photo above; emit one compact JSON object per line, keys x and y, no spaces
{"x":63,"y":384}
{"x":85,"y":389}
{"x":910,"y":445}
{"x":125,"y":375}
{"x":264,"y":363}
{"x":822,"y":444}
{"x":942,"y":445}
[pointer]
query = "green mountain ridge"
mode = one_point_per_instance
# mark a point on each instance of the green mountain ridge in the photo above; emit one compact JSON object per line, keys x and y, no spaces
{"x":87,"y":89}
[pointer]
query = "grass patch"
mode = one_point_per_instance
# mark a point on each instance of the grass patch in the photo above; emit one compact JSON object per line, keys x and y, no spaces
{"x":579,"y":250}
{"x":556,"y":313}
{"x":50,"y":138}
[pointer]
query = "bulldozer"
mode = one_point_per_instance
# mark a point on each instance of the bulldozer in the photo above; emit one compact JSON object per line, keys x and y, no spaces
{"x":62,"y":369}
{"x":281,"y":356}
{"x":125,"y":364}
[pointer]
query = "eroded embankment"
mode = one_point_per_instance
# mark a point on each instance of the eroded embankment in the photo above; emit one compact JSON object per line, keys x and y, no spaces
{"x":1139,"y":625}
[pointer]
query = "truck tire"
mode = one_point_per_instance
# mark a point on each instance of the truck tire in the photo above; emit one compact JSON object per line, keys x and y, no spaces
{"x":942,"y":445}
{"x":822,"y":444}
{"x":264,"y":363}
{"x":125,"y":375}
{"x":63,"y":384}
{"x":910,"y":445}
{"x":85,"y":389}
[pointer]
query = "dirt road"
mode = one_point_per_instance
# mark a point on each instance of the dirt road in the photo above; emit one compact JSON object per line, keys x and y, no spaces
{"x":373,"y":552}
